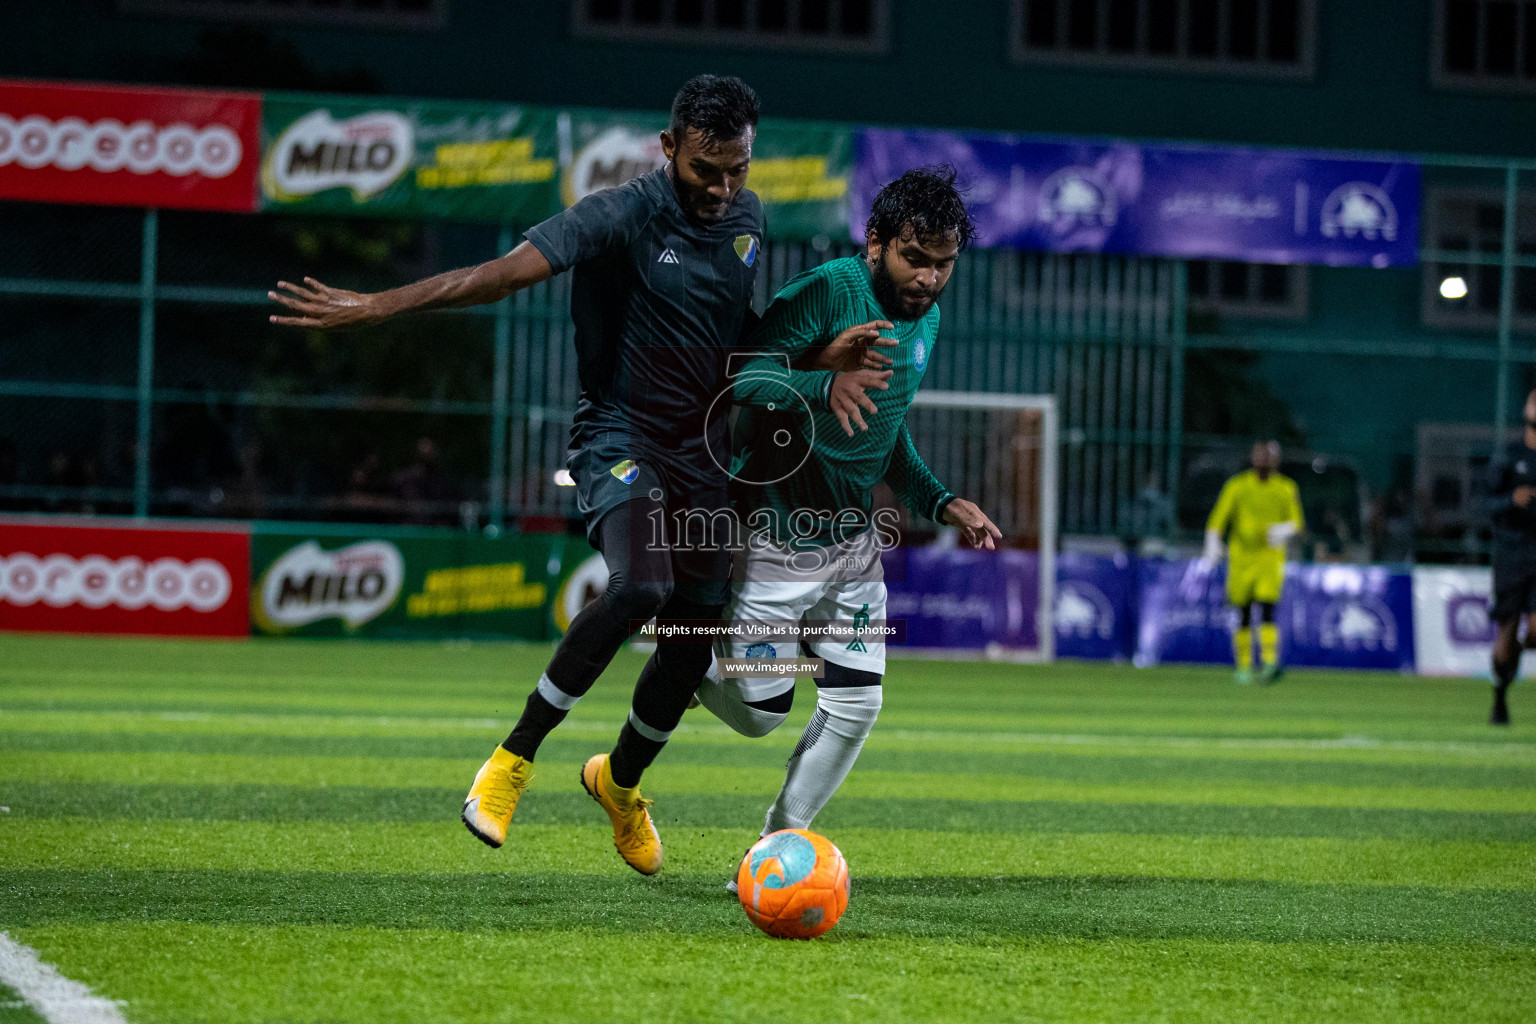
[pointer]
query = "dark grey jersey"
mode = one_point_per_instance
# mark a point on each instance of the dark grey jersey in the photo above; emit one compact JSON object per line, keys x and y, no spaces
{"x":658,"y":301}
{"x":1514,"y":528}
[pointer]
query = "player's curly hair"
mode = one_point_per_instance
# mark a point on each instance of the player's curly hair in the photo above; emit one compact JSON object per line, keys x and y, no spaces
{"x":720,"y":108}
{"x":924,"y":201}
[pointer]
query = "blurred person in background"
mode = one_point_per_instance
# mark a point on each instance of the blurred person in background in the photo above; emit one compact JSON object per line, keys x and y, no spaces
{"x":1330,"y":541}
{"x":1510,"y":501}
{"x":364,"y":500}
{"x":10,"y":463}
{"x":1257,"y":513}
{"x":67,"y":472}
{"x":1150,"y":517}
{"x":1392,"y":527}
{"x":424,"y":489}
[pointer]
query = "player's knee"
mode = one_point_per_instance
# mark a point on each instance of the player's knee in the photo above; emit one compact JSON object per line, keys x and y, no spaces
{"x":751,"y":718}
{"x":632,"y":600}
{"x":1244,"y":615}
{"x":857,"y":705}
{"x":764,"y":716}
{"x":1266,"y":611}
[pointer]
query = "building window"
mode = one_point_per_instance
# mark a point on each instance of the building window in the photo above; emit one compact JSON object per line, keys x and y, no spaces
{"x":1486,"y":43}
{"x":401,"y":14}
{"x":1466,"y":294}
{"x":842,"y":25}
{"x":1263,"y":290}
{"x":1249,"y":37}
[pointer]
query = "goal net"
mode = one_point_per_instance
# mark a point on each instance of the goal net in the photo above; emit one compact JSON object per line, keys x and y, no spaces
{"x":999,"y":451}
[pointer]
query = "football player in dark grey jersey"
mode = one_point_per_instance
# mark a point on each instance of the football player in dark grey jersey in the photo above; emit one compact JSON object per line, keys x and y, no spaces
{"x":664,"y":267}
{"x":1511,"y":504}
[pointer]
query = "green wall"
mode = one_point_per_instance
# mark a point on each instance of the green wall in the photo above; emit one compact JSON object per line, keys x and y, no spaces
{"x":947,"y":64}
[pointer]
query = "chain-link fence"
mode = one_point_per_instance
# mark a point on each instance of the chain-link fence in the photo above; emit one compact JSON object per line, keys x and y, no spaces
{"x":139,"y":374}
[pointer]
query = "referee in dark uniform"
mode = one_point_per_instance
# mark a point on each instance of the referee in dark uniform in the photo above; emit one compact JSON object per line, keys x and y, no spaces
{"x":1511,"y":500}
{"x":664,"y":268}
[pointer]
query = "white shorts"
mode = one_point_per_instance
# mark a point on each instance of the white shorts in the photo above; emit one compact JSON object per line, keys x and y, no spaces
{"x":773,"y":588}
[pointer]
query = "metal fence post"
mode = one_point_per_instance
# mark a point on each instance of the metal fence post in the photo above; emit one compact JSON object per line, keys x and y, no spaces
{"x":1176,"y":387}
{"x":1506,"y":307}
{"x":499,"y":388}
{"x":146,"y":396}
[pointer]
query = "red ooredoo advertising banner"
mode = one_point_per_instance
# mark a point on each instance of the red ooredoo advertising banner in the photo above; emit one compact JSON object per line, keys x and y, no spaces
{"x":88,"y":579}
{"x":124,"y":146}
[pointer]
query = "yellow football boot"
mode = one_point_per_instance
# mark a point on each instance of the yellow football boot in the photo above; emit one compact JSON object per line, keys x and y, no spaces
{"x":634,"y":834}
{"x":492,"y":799}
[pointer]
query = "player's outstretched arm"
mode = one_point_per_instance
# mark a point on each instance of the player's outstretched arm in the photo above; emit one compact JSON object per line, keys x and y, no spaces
{"x":314,"y":304}
{"x":1216,"y":524}
{"x":915,"y":484}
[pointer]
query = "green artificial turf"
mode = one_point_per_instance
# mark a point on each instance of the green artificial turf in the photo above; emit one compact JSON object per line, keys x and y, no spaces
{"x":268,"y":831}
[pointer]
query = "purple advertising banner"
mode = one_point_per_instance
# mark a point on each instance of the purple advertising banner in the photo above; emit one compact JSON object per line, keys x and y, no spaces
{"x":1333,"y":616}
{"x":1347,"y":616}
{"x":1094,"y":615}
{"x":961,"y":599}
{"x":1260,"y":206}
{"x":1183,"y":613}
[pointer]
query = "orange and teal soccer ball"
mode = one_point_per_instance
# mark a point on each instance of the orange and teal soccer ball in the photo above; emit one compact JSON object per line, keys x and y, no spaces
{"x":793,"y":884}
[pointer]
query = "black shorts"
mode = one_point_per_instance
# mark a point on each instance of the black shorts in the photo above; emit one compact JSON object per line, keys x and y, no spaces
{"x":1514,"y":588}
{"x":670,"y":503}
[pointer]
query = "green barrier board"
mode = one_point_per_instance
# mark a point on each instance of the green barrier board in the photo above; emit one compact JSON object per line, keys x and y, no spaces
{"x":417,"y":584}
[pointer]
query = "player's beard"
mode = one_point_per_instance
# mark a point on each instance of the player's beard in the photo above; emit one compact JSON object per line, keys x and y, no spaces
{"x":697,"y":202}
{"x":893,"y":303}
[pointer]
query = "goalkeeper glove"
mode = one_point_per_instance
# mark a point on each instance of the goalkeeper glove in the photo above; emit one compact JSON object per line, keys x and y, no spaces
{"x":1213,"y":550}
{"x":1280,"y":533}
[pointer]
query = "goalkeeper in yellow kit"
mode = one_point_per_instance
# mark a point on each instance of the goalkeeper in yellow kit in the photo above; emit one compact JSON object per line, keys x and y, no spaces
{"x":1259,"y":512}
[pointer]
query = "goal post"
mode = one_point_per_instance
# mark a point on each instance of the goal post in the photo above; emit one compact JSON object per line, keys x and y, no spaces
{"x":1000,"y":451}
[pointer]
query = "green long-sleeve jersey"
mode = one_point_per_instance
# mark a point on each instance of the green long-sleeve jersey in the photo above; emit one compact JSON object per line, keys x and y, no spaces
{"x":794,"y":471}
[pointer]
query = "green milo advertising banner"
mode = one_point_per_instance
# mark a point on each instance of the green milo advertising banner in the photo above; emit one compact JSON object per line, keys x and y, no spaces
{"x":510,"y":164}
{"x":418,"y":585}
{"x":799,"y":170}
{"x":408,"y":158}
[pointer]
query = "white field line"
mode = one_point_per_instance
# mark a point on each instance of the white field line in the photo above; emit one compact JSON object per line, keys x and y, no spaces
{"x":52,"y":996}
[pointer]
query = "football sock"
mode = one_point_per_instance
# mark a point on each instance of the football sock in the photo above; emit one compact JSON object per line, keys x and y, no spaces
{"x":825,"y":754}
{"x":1500,"y":713}
{"x":723,"y":699}
{"x":1242,"y":648}
{"x":595,"y":636}
{"x":1269,"y":643}
{"x":1504,"y":672}
{"x":539,"y":719}
{"x":667,"y":684}
{"x":639,"y":743}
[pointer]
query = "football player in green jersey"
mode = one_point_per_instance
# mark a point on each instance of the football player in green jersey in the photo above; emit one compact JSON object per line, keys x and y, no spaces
{"x":822,"y":421}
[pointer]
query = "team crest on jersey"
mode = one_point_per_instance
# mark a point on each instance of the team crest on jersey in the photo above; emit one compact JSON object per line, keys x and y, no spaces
{"x":762,"y":651}
{"x":746,"y":248}
{"x":920,"y":353}
{"x":626,"y":471}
